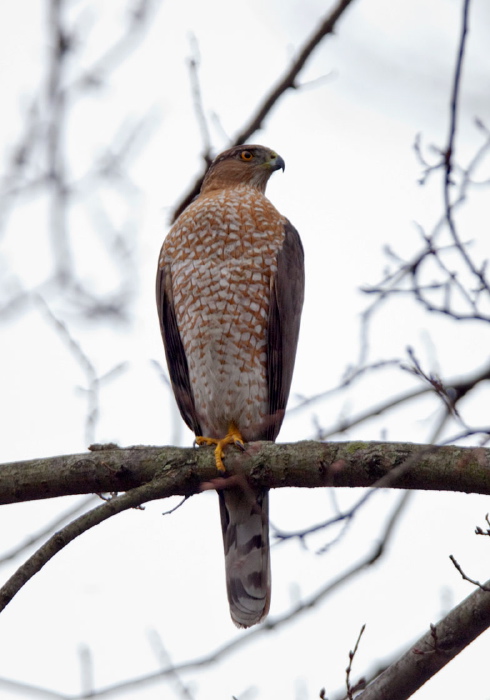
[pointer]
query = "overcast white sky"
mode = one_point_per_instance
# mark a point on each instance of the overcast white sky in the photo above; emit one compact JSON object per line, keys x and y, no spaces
{"x":350,"y":187}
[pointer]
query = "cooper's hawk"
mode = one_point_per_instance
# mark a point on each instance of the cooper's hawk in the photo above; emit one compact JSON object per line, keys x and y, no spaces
{"x":229,"y":294}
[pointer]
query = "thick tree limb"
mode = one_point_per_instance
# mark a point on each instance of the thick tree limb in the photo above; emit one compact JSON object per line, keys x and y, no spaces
{"x":132,"y":499}
{"x":272,"y":624}
{"x":149,"y":473}
{"x":434,"y":650}
{"x":182,"y":471}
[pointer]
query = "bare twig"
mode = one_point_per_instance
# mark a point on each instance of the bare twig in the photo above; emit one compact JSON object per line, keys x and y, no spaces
{"x":360,"y":684}
{"x":449,"y":294}
{"x":138,"y":20}
{"x":286,"y":82}
{"x":467,"y":578}
{"x":40,"y":165}
{"x":194,"y":64}
{"x":449,"y":152}
{"x":165,"y":662}
{"x":456,"y":390}
{"x":246,"y":638}
{"x":60,"y":43}
{"x":480,"y":531}
{"x":45,"y":531}
{"x":346,"y":517}
{"x":434,"y":650}
{"x":94,"y":381}
{"x":351,"y":376}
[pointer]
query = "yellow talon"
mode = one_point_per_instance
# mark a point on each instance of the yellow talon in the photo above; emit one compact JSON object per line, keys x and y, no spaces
{"x":233,"y":437}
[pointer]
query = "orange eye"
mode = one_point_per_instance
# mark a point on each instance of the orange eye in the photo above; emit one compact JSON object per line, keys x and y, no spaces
{"x":246,"y":155}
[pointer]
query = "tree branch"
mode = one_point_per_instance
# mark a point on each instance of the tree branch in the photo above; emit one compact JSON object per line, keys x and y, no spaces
{"x":237,"y":643}
{"x":434,"y":650}
{"x":150,"y":473}
{"x":287,"y":81}
{"x":449,"y":152}
{"x":45,"y":531}
{"x":309,"y":464}
{"x":60,"y":539}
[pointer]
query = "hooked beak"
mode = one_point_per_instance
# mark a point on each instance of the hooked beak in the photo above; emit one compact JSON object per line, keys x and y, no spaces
{"x":276,"y":162}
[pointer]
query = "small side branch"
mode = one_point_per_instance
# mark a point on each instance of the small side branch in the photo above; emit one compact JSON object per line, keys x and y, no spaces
{"x":467,"y":578}
{"x":350,"y":688}
{"x":63,"y":537}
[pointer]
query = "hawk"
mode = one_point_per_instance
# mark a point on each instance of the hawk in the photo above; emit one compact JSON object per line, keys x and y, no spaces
{"x":230,"y":287}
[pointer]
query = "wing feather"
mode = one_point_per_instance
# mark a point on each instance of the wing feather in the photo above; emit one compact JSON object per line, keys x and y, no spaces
{"x":174,"y":350}
{"x":286,"y":302}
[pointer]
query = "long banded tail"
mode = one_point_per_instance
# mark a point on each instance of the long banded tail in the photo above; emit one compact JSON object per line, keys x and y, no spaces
{"x":245,"y":526}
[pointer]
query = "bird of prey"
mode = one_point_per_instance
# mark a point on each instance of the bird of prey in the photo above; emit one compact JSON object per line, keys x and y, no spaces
{"x":230,"y":287}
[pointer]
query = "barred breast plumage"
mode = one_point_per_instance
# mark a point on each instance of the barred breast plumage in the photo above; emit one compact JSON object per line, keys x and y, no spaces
{"x":222,"y":261}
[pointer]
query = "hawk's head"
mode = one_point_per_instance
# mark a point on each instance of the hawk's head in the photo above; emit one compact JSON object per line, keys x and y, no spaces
{"x":242,"y":165}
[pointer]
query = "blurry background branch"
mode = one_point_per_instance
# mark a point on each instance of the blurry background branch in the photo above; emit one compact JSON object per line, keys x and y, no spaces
{"x":288,"y":81}
{"x":450,"y":391}
{"x":50,"y":527}
{"x":41,"y":169}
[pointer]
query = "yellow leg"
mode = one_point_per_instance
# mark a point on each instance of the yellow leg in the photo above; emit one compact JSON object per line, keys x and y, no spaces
{"x":233,"y":437}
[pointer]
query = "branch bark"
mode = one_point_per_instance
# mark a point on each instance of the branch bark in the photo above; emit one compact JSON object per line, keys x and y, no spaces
{"x":272,"y":624}
{"x":182,"y":471}
{"x":434,"y":650}
{"x":150,"y":473}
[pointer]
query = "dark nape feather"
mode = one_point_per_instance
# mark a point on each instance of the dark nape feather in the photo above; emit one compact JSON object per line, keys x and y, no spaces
{"x":174,"y":350}
{"x":286,"y":302}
